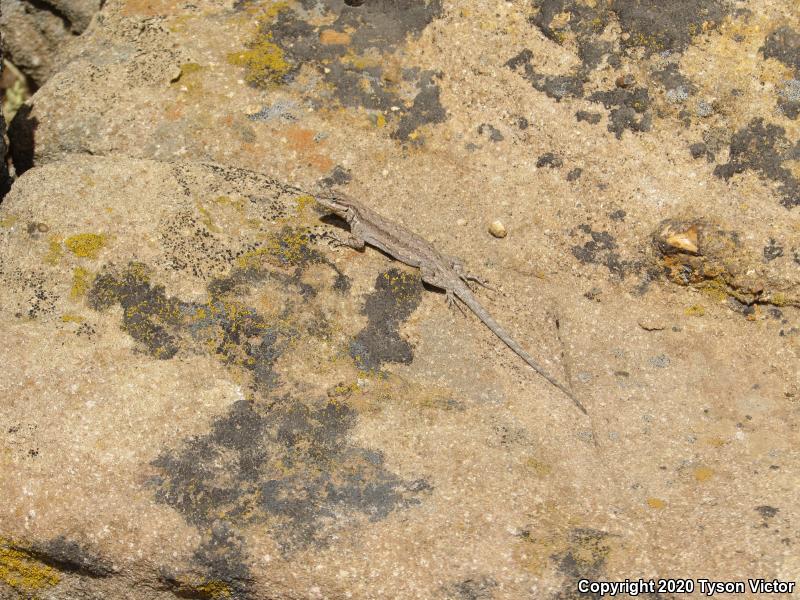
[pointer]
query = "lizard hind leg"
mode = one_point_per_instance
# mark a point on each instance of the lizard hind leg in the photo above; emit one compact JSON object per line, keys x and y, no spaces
{"x":452,"y":301}
{"x":466,"y":276}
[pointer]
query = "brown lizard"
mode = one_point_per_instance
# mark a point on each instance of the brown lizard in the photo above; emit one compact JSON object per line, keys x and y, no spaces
{"x":437,"y":269}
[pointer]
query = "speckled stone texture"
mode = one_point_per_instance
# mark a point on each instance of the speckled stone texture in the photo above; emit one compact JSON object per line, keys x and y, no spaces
{"x":204,"y":397}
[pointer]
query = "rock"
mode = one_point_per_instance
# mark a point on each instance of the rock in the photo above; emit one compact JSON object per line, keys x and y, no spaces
{"x":497,"y":229}
{"x":652,"y":324}
{"x":35,"y":33}
{"x":203,"y":397}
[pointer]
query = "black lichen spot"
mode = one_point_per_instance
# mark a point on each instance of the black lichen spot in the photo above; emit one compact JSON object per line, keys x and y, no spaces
{"x":657,"y":26}
{"x":236,"y":334}
{"x":600,"y":249}
{"x":397,"y":294}
{"x":574,"y":174}
{"x":764,"y":148}
{"x":586,"y":24}
{"x":480,"y":588}
{"x":69,"y":556}
{"x":147,"y":312}
{"x":698,"y":150}
{"x":767,"y":511}
{"x":629,"y":109}
{"x":550,"y":160}
{"x":584,"y":558}
{"x":338,"y":176}
{"x":493,"y":133}
{"x":522,"y":123}
{"x":223,"y":557}
{"x":592,"y":118}
{"x":289,"y":465}
{"x":618,"y":215}
{"x":555,"y":86}
{"x":772,"y":250}
{"x":783,"y":44}
{"x":426,"y":109}
{"x":382,"y":26}
{"x":222,"y":560}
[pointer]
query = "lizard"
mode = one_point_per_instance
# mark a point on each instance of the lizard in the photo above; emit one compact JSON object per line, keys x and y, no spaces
{"x":437,"y":269}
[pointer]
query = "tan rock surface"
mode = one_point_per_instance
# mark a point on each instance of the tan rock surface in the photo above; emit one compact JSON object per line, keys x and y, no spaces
{"x":203,"y":398}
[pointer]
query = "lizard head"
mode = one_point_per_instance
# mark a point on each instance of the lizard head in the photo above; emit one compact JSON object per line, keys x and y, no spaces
{"x":339,"y":206}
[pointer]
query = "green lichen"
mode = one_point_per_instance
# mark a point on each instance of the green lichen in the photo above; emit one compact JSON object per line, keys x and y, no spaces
{"x":21,"y":571}
{"x":85,"y":245}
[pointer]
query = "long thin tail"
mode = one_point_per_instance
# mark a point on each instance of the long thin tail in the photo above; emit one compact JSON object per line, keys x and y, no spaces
{"x":472,"y":302}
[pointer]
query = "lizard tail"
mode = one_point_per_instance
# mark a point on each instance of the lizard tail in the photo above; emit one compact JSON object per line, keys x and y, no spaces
{"x":467,"y":298}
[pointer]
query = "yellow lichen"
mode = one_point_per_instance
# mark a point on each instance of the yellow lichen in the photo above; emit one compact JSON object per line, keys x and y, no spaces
{"x":207,"y":219}
{"x":290,"y":246}
{"x":54,"y":251}
{"x":304,"y":201}
{"x":81,"y":278}
{"x":696,"y":310}
{"x":8,"y":221}
{"x":71,"y":318}
{"x":86,"y":245}
{"x":656,"y":503}
{"x":23,"y":572}
{"x":187,"y":78}
{"x":540,"y":468}
{"x":263,"y":60}
{"x":702,"y":474}
{"x":212,"y":589}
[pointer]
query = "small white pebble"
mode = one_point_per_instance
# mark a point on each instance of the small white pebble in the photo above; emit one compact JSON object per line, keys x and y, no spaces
{"x":497,"y":229}
{"x":461,"y":222}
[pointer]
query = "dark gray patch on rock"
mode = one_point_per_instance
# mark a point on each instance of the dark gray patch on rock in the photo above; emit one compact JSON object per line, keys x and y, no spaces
{"x":618,"y":215}
{"x":772,"y":250}
{"x":69,"y":556}
{"x":764,"y":148}
{"x":555,"y":86}
{"x":767,"y":511}
{"x":698,"y":150}
{"x":288,"y":464}
{"x":397,"y":293}
{"x":657,"y":26}
{"x":574,"y":174}
{"x":783,"y":45}
{"x":381,"y":25}
{"x":592,"y":118}
{"x":585,"y":557}
{"x":550,"y":160}
{"x":629,"y":109}
{"x":601,"y":249}
{"x":789,"y":100}
{"x":490,"y":130}
{"x":586,"y":23}
{"x":338,"y":176}
{"x":671,"y":78}
{"x":474,"y":588}
{"x":427,"y":108}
